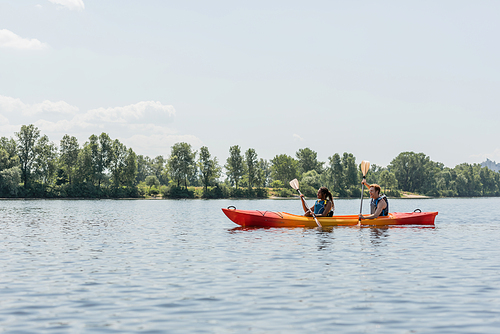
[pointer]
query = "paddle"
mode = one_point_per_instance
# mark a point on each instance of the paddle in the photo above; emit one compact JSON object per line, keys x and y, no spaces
{"x":365,"y":165}
{"x":295,"y":185}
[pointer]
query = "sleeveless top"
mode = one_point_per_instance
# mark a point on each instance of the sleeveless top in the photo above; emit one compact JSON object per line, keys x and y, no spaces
{"x":374,"y":204}
{"x":319,"y":207}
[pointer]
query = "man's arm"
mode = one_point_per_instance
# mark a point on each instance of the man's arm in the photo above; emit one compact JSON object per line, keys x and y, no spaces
{"x":380,"y":207}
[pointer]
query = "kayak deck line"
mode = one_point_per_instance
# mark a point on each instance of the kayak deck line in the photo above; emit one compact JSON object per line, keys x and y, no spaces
{"x":256,"y":218}
{"x":275,"y":212}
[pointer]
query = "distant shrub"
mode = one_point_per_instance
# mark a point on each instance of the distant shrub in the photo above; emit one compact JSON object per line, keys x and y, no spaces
{"x":393,"y":193}
{"x":277,"y":184}
{"x":286,"y":192}
{"x":354,"y":192}
{"x":261,"y":193}
{"x":177,"y":192}
{"x":238,"y":193}
{"x":308,"y":190}
{"x":215,"y":192}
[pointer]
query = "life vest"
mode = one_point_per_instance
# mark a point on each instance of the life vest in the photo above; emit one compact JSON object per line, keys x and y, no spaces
{"x":319,"y":207}
{"x":374,"y":204}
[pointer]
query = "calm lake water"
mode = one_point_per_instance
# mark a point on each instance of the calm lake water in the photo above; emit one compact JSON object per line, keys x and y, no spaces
{"x":167,"y":266}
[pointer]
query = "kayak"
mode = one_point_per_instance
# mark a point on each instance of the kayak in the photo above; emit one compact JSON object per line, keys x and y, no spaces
{"x":255,"y":218}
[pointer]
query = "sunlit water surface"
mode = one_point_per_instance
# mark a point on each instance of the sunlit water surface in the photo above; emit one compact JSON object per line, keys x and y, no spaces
{"x":155,"y":266}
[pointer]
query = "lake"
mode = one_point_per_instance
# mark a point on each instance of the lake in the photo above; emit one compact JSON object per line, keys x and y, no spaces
{"x":180,"y":266}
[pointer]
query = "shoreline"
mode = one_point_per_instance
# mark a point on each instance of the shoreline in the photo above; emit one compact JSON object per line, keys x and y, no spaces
{"x":404,"y":196}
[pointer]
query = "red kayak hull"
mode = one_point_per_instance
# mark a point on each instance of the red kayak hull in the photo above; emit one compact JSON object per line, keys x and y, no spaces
{"x":255,"y":218}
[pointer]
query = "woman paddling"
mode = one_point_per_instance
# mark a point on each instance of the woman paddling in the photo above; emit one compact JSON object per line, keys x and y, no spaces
{"x":323,"y":207}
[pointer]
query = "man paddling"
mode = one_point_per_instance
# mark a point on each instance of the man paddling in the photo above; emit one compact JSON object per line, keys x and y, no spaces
{"x":379,"y":205}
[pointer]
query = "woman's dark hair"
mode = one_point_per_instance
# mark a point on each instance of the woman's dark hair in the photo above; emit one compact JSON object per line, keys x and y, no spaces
{"x":328,"y":194}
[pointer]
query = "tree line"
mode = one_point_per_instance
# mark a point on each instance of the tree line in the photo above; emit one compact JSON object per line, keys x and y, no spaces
{"x":33,"y":166}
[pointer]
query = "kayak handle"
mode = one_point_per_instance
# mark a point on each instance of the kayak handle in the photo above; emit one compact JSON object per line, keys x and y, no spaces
{"x":231,"y":207}
{"x":417,"y":211}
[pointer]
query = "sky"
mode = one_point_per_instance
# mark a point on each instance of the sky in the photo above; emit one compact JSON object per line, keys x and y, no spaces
{"x":372,"y":78}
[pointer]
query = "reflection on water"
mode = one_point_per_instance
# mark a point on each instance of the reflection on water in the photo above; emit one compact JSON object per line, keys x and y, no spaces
{"x":378,"y":235}
{"x":182,"y":266}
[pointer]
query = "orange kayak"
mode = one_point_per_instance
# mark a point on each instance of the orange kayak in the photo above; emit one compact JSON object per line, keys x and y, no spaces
{"x":255,"y":218}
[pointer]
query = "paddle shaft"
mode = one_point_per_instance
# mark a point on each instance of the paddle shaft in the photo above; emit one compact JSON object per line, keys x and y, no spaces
{"x":312,"y":212}
{"x":361,"y":205}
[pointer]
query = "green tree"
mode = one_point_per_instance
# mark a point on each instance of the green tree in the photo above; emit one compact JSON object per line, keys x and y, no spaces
{"x":252,"y":167}
{"x":26,"y":139}
{"x":181,"y":164}
{"x":350,"y":169}
{"x":312,"y":179}
{"x":373,"y":174}
{"x":209,"y":168}
{"x":462,"y":185}
{"x":284,"y":168}
{"x":412,"y":171}
{"x":130,"y":168}
{"x":487,"y":177}
{"x":336,"y":175}
{"x":85,"y":167}
{"x":9,"y":181}
{"x":234,"y":165}
{"x":144,"y":168}
{"x":401,"y":167}
{"x":68,"y":155}
{"x":9,"y":145}
{"x":101,"y":153}
{"x":8,"y":155}
{"x":152,"y":180}
{"x":10,"y":173}
{"x":158,"y":169}
{"x":45,"y":163}
{"x":117,"y":161}
{"x":444,"y":182}
{"x":388,"y":180}
{"x":308,"y":160}
{"x":263,"y":173}
{"x":468,"y":180}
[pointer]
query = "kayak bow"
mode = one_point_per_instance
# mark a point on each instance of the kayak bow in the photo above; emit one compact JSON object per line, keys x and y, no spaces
{"x":255,"y":218}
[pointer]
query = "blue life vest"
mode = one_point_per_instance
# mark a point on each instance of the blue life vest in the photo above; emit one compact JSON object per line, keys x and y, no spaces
{"x":319,"y":207}
{"x":374,"y":204}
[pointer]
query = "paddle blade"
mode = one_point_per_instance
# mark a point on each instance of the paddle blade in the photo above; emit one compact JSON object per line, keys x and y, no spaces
{"x":365,"y":165}
{"x":294,"y":184}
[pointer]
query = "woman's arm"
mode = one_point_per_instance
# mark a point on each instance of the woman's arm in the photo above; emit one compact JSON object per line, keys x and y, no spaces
{"x":306,"y":210}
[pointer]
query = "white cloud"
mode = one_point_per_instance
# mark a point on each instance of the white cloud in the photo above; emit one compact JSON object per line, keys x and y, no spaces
{"x":70,"y":4}
{"x":12,"y":105}
{"x":12,"y":41}
{"x":297,"y":137}
{"x":145,"y":117}
{"x":47,"y":127}
{"x":59,"y":107}
{"x":151,"y":111}
{"x":3,"y":120}
{"x":140,"y":126}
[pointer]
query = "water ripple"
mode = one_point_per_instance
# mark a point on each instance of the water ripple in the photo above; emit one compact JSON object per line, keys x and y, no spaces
{"x":146,"y":266}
